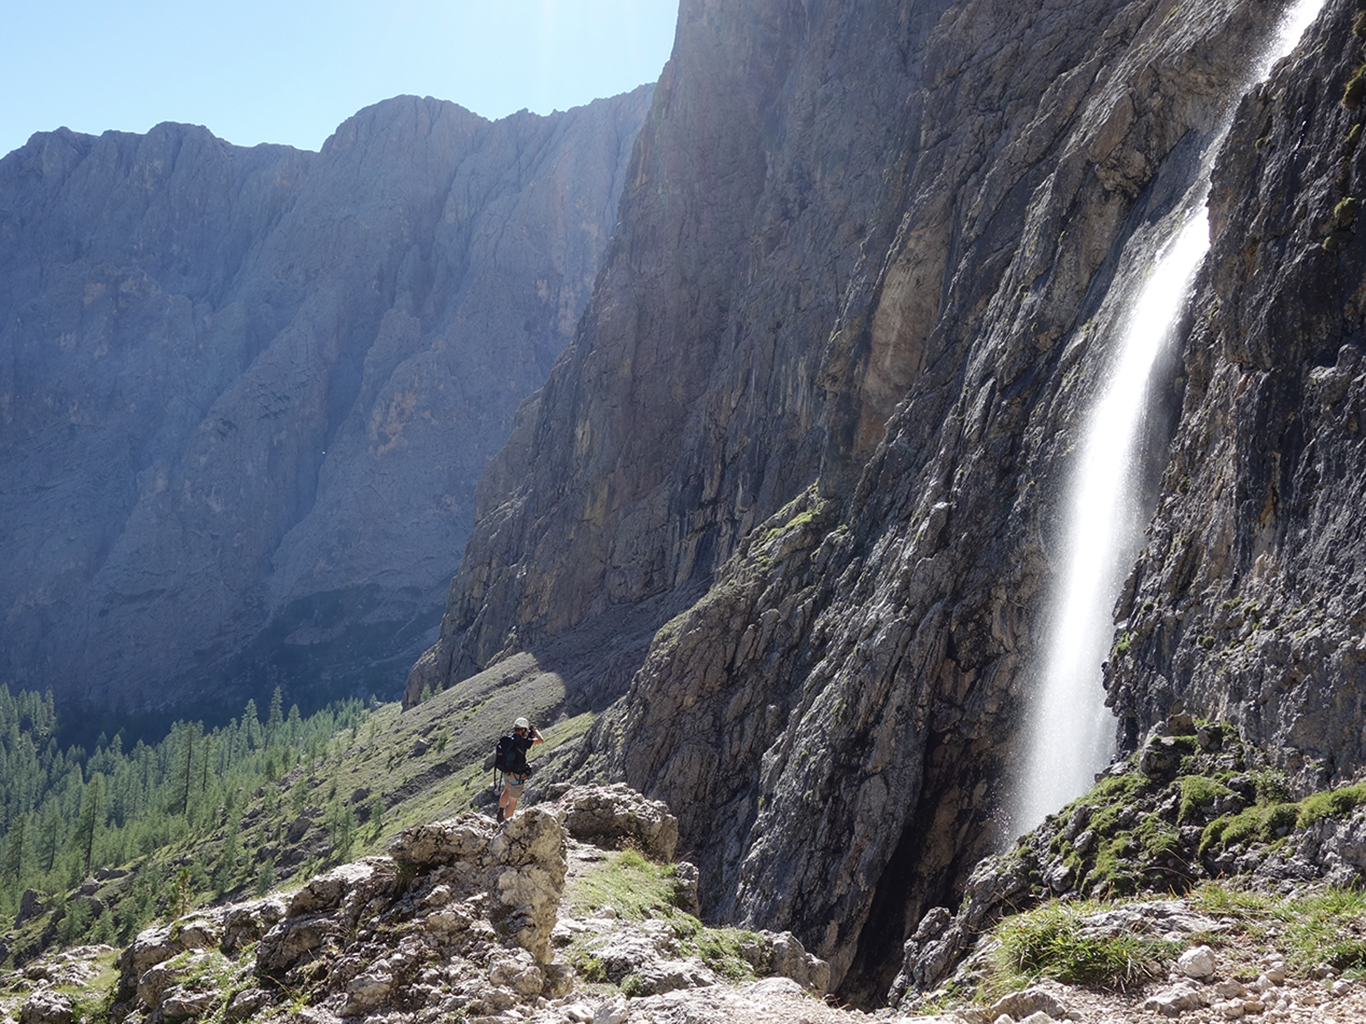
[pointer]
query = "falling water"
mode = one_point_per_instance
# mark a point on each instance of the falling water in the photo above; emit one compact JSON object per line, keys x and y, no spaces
{"x":1070,"y":734}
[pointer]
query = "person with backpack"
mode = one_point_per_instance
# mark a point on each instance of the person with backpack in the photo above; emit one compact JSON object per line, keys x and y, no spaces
{"x":510,"y":759}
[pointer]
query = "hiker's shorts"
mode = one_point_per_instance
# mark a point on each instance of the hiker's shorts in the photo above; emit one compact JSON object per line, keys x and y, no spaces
{"x":516,"y":782}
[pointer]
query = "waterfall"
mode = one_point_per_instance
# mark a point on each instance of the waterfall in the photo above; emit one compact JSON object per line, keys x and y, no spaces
{"x":1069,"y":734}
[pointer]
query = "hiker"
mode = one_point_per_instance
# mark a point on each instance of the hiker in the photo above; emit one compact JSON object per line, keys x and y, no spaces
{"x":515,"y":771}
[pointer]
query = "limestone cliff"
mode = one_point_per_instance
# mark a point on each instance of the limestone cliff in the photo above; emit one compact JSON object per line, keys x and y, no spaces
{"x":246,"y":394}
{"x":1249,"y":600}
{"x":813,"y":429}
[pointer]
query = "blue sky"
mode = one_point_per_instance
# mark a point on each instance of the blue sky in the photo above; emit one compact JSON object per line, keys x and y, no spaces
{"x":290,"y":71}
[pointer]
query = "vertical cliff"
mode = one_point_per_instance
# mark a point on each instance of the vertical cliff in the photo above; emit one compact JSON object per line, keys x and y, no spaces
{"x":811,"y":437}
{"x":1247,"y":602}
{"x":246,"y":394}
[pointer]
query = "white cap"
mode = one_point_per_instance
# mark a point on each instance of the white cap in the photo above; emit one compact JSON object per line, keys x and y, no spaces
{"x":521,"y":723}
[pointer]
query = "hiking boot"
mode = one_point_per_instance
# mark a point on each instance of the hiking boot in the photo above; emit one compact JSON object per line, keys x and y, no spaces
{"x":500,"y":814}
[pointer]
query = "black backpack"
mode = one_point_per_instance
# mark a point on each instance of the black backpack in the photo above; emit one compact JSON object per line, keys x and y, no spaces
{"x":505,"y":757}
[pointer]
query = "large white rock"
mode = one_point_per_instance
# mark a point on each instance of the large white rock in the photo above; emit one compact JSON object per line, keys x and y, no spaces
{"x":1197,"y":963}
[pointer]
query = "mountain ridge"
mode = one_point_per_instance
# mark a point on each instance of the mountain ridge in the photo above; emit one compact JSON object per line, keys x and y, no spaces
{"x":250,"y":364}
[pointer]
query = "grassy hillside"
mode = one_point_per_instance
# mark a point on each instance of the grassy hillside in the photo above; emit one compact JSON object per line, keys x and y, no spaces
{"x":95,"y":845}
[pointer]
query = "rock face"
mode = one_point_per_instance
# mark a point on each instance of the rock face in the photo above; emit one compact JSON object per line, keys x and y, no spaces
{"x":816,"y":421}
{"x":1249,"y":600}
{"x":246,"y":394}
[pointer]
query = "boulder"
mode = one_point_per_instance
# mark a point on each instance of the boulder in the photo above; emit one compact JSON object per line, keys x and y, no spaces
{"x":660,"y":976}
{"x":246,"y":1003}
{"x":46,"y":1007}
{"x":1197,"y":963}
{"x":1018,"y":1006}
{"x":291,"y":940}
{"x":791,"y":960}
{"x":443,"y":842}
{"x":350,"y":883}
{"x":30,"y":906}
{"x":1175,"y":1000}
{"x":617,"y":815}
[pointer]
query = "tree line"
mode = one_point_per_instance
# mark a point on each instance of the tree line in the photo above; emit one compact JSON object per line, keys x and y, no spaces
{"x":66,"y":814}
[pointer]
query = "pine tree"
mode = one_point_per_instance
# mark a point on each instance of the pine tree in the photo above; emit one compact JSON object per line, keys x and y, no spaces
{"x":265,"y":879}
{"x":251,"y":726}
{"x":189,"y":769}
{"x":47,"y":843}
{"x":12,"y":868}
{"x":276,"y":719}
{"x":225,"y":874}
{"x":376,"y":816}
{"x":85,"y":832}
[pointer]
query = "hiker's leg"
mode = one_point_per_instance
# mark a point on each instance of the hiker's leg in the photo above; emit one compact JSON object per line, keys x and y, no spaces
{"x":514,"y":793}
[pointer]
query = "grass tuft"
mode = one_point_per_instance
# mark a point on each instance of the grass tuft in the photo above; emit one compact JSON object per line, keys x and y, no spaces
{"x":1048,"y":942}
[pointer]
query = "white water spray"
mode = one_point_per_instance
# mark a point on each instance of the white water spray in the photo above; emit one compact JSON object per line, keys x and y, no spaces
{"x":1070,"y":735}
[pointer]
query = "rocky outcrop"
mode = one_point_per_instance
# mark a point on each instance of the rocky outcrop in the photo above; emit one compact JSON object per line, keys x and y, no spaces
{"x":611,"y":816}
{"x":849,"y":419}
{"x":246,"y":394}
{"x":464,"y":918}
{"x":460,"y":903}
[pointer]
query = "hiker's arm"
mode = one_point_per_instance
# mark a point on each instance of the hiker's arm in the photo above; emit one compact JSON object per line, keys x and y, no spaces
{"x":536,"y":736}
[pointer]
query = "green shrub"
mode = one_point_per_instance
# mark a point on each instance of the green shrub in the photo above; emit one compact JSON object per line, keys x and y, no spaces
{"x":1271,"y":786}
{"x":1048,"y":943}
{"x":1260,"y":824}
{"x":1280,"y":819}
{"x":588,"y":967}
